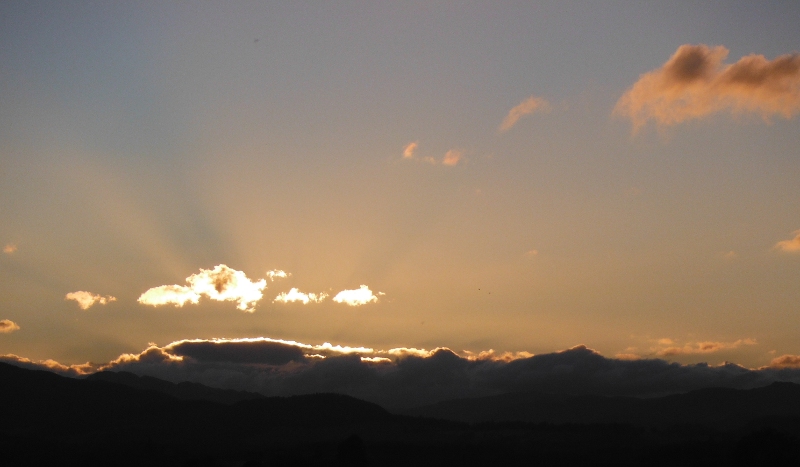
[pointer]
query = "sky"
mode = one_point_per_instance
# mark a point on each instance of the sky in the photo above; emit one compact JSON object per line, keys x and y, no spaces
{"x":506,"y":180}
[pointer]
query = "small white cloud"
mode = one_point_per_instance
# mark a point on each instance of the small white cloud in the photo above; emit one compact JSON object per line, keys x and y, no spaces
{"x":790,"y":246}
{"x":277,"y":274}
{"x":87,"y":299}
{"x":9,"y":248}
{"x":356,"y":297}
{"x":6,"y":326}
{"x":221,"y":283}
{"x":294,"y":295}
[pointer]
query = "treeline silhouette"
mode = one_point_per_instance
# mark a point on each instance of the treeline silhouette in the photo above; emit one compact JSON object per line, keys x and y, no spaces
{"x":124,"y":419}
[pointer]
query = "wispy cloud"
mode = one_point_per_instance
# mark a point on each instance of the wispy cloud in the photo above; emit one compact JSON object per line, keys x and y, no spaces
{"x":356,"y":297}
{"x":528,"y":106}
{"x":409,"y":150}
{"x":9,"y":248}
{"x":694,"y":83}
{"x":452,"y":157}
{"x":87,"y":299}
{"x":790,"y":246}
{"x":294,"y":295}
{"x":693,"y":348}
{"x":221,"y":283}
{"x":6,"y":326}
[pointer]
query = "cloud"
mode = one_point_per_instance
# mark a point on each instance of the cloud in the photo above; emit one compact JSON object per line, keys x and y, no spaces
{"x":9,"y":248}
{"x":87,"y":299}
{"x":356,"y":297}
{"x":221,"y":283}
{"x":294,"y":295}
{"x":699,"y":347}
{"x":277,"y":273}
{"x":6,"y":326}
{"x":694,"y":83}
{"x":790,"y":246}
{"x":409,"y":150}
{"x":407,"y":377}
{"x":528,"y":106}
{"x":452,"y":157}
{"x":785,"y":361}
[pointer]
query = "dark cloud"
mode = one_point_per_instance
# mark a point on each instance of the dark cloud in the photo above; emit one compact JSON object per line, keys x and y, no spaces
{"x":269,"y":353}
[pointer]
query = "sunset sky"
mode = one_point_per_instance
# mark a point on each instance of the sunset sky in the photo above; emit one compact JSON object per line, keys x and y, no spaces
{"x":521,"y":177}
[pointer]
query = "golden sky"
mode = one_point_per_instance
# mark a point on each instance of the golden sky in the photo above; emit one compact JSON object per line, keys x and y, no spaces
{"x":500,"y":180}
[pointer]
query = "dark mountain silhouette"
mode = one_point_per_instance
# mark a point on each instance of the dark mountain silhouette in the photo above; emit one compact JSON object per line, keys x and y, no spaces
{"x":184,"y":391}
{"x":47,"y":419}
{"x":715,"y":407}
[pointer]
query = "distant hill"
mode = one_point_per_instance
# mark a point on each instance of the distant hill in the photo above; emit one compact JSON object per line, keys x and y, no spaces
{"x":716,"y":407}
{"x":184,"y":391}
{"x":123,"y":419}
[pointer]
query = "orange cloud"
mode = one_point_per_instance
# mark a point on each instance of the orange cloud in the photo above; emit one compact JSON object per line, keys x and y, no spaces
{"x":87,"y":299}
{"x":294,"y":295}
{"x":356,"y":297}
{"x":452,"y":157}
{"x":694,"y":83}
{"x":221,"y":283}
{"x":50,"y":365}
{"x":6,"y":326}
{"x":790,"y":246}
{"x":701,"y":347}
{"x":528,"y":106}
{"x":785,"y":361}
{"x":9,"y":248}
{"x":410,"y":149}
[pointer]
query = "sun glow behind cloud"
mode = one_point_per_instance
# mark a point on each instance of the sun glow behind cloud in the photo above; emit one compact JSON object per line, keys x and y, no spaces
{"x":294,"y":295}
{"x":221,"y":283}
{"x":356,"y":297}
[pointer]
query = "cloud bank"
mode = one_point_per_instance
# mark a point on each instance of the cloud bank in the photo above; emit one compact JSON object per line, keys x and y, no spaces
{"x":694,"y":83}
{"x":87,"y":299}
{"x":528,"y":106}
{"x":790,"y":246}
{"x":408,"y":377}
{"x":221,"y":283}
{"x":6,"y":326}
